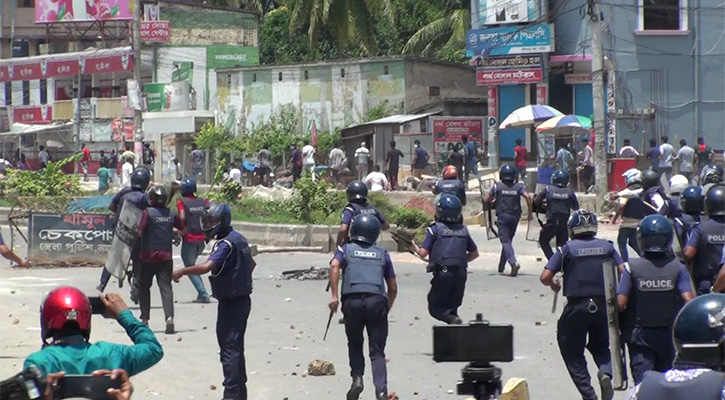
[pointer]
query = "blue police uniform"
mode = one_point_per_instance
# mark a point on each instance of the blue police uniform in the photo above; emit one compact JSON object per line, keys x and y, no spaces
{"x":708,"y":237}
{"x":684,"y":225}
{"x":650,"y":195}
{"x":699,"y":383}
{"x":231,"y":284}
{"x":452,"y":186}
{"x":353,"y":209}
{"x":365,"y":306}
{"x":448,"y":245}
{"x":583,"y":323}
{"x":559,"y":203}
{"x":653,"y":285}
{"x":508,"y":212}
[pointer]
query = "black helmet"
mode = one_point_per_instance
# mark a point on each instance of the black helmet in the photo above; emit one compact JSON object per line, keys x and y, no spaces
{"x":217,"y":218}
{"x":582,"y":223}
{"x":715,"y":201}
{"x":692,"y":201}
{"x":188,"y":186}
{"x":158,"y":196}
{"x":507,"y":173}
{"x":699,"y":331}
{"x":140,"y":179}
{"x":448,"y":208}
{"x":650,"y":179}
{"x":356,"y":191}
{"x":560,"y":178}
{"x":365,"y":228}
{"x":654,"y":234}
{"x":711,"y":174}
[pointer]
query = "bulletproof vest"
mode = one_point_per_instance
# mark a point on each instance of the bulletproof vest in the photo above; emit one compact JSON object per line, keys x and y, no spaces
{"x":710,"y":249}
{"x":364,"y":271}
{"x":159,"y":230}
{"x":558,"y":202}
{"x":360,"y":209}
{"x":450,"y":186}
{"x":653,"y":191}
{"x":135,"y":197}
{"x":450,"y":247}
{"x":508,"y":199}
{"x":708,"y":386}
{"x":688,"y":222}
{"x":583,"y":273}
{"x":655,"y":295}
{"x":233,"y":278}
{"x":194,"y":210}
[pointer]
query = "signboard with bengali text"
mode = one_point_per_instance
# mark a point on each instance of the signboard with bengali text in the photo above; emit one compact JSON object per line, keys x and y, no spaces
{"x":43,"y":67}
{"x":155,"y":31}
{"x":79,"y":237}
{"x":510,"y":40}
{"x":447,"y":131}
{"x":509,"y":76}
{"x":42,"y":114}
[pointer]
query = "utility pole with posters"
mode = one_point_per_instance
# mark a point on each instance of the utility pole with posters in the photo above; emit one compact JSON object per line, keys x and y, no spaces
{"x":599,"y":123}
{"x":138,"y":111}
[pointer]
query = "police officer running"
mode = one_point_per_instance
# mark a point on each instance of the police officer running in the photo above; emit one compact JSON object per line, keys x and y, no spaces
{"x":650,"y":289}
{"x":506,"y":195}
{"x":706,"y":241}
{"x":627,"y":233}
{"x":450,"y":184}
{"x":451,"y":248}
{"x":357,"y":193}
{"x":231,"y":266}
{"x":692,"y":205}
{"x":653,"y":194}
{"x":191,"y":208}
{"x":365,"y":302}
{"x":558,"y":200}
{"x":583,"y":323}
{"x":711,"y":175}
{"x":697,"y":373}
{"x":156,"y":231}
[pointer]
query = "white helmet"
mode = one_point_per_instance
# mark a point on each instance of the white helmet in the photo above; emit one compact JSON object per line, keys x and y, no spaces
{"x":678,"y":183}
{"x":632,"y":176}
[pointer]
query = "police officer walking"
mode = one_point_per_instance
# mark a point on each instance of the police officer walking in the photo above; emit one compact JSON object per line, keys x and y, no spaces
{"x":191,"y":208}
{"x":231,"y":266}
{"x":450,"y":184}
{"x":706,"y":241}
{"x":357,"y":193}
{"x":156,"y":231}
{"x":559,"y":201}
{"x":365,"y":301}
{"x":697,"y":373}
{"x":506,"y":196}
{"x":451,"y":248}
{"x":583,"y":323}
{"x":650,"y":289}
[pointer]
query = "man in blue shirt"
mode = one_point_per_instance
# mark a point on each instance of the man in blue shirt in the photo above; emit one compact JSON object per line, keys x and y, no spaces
{"x":420,"y":160}
{"x":469,"y":149}
{"x":653,"y":154}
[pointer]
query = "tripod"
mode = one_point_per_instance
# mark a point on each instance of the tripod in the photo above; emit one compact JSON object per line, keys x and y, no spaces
{"x":482,"y":380}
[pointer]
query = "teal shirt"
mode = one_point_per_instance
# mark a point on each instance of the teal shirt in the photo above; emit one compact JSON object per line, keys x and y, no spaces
{"x":78,"y":357}
{"x":104,"y":175}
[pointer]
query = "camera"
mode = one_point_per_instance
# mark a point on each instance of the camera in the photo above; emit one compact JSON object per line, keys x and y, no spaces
{"x":27,"y":385}
{"x":479,"y":344}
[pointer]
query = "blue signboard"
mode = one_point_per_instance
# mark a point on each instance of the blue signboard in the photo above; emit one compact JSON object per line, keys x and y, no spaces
{"x":510,"y":40}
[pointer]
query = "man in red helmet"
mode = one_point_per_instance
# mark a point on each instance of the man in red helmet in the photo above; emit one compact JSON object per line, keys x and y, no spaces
{"x":451,"y":185}
{"x":65,"y":318}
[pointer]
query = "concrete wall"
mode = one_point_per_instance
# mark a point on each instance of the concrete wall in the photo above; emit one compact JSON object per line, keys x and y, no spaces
{"x":453,"y":81}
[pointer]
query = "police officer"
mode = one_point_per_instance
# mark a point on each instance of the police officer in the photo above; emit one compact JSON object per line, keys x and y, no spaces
{"x":678,"y":184}
{"x":231,"y":266}
{"x":156,"y":231}
{"x":365,"y":301}
{"x":583,"y":323}
{"x":558,"y":200}
{"x":706,"y":241}
{"x":450,"y":184}
{"x":692,"y":204}
{"x":136,"y":195}
{"x":357,"y":193}
{"x":628,"y":229}
{"x":653,"y":194}
{"x":711,"y":175}
{"x":190,"y":209}
{"x":451,"y":248}
{"x":697,"y":373}
{"x":650,"y":290}
{"x":506,"y":195}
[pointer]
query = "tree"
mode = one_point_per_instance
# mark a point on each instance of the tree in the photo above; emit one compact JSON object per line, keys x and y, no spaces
{"x":261,"y":6}
{"x":445,"y":33}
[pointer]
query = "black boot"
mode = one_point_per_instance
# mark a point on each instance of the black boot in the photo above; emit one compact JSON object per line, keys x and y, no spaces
{"x":381,"y":396}
{"x":356,"y":388}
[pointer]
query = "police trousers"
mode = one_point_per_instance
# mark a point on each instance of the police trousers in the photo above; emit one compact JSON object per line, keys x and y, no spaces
{"x":231,"y":325}
{"x":367,"y":312}
{"x":627,"y":235}
{"x":446,"y":292}
{"x":554,"y":227}
{"x":162,"y":271}
{"x":583,"y":325}
{"x":507,"y":224}
{"x":651,"y":350}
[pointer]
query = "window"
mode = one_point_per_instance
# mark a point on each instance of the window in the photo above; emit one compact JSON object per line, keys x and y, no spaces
{"x":254,"y":77}
{"x":43,"y":91}
{"x":229,"y":80}
{"x":26,"y":3}
{"x":342,"y":72}
{"x":279,"y":77}
{"x":663,"y":15}
{"x":8,"y":93}
{"x":26,"y":93}
{"x":386,"y":70}
{"x":307,"y":75}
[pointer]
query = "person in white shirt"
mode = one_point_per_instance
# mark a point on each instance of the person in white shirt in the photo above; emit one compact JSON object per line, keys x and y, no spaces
{"x":377,"y":181}
{"x":308,"y":158}
{"x":126,"y":171}
{"x":363,"y":155}
{"x":627,"y":150}
{"x":667,"y":153}
{"x":235,"y":174}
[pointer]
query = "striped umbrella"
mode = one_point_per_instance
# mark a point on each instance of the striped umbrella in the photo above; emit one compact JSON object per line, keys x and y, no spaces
{"x":566,"y":122}
{"x":529,"y":115}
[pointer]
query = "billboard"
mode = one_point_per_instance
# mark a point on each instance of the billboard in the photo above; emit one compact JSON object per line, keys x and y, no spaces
{"x":155,"y":31}
{"x":226,"y":56}
{"x":494,"y":12}
{"x":174,"y":96}
{"x":42,"y":67}
{"x":49,"y":11}
{"x":447,"y":131}
{"x":509,"y":76}
{"x":510,"y":40}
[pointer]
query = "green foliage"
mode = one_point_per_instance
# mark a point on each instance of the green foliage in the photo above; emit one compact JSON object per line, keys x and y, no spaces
{"x":282,"y":129}
{"x":313,"y":202}
{"x":382,"y":110}
{"x":382,"y":202}
{"x":228,"y":193}
{"x":219,"y":139}
{"x":49,"y":182}
{"x":445,"y":33}
{"x":219,"y":173}
{"x":411,"y":218}
{"x":325,"y":141}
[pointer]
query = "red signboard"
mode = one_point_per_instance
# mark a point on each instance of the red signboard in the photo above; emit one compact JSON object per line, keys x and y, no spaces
{"x":447,"y":131}
{"x":541,"y":94}
{"x":128,"y":130}
{"x":61,"y":67}
{"x":493,"y":101}
{"x":155,"y":31}
{"x":106,"y":64}
{"x":32,"y":114}
{"x":26,"y":72}
{"x":509,"y":76}
{"x":49,"y":67}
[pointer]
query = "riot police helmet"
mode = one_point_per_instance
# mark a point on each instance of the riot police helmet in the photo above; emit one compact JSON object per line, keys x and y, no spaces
{"x":356,"y":192}
{"x":158,"y":196}
{"x":582,"y":223}
{"x":654,"y":234}
{"x":632,"y":176}
{"x":692,"y":201}
{"x":699,"y":331}
{"x":217,"y":218}
{"x":188,"y":186}
{"x":715,"y":201}
{"x":678,"y":183}
{"x":365,"y":228}
{"x":650,"y":179}
{"x":448,"y":208}
{"x":560,"y":178}
{"x":450,"y":172}
{"x":507,"y":173}
{"x":711,"y":174}
{"x":140,"y":179}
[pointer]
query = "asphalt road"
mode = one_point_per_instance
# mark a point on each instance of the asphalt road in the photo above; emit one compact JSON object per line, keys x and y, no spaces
{"x":288,"y":321}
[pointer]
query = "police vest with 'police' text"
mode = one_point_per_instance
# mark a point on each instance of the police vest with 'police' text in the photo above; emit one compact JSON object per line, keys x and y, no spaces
{"x":558,"y":202}
{"x":655,"y":295}
{"x":508,"y":198}
{"x":365,"y":270}
{"x":710,"y":249}
{"x":583,"y":262}
{"x":450,"y":246}
{"x":195,"y":208}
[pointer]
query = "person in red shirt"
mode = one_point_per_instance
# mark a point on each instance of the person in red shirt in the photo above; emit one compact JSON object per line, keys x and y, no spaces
{"x":191,"y":209}
{"x":520,"y":160}
{"x":156,"y":231}
{"x":85,"y":160}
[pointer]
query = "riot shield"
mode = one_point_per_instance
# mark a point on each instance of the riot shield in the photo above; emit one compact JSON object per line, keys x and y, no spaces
{"x":637,"y":209}
{"x":124,"y":238}
{"x":611,"y":280}
{"x":533,"y":229}
{"x":489,"y":222}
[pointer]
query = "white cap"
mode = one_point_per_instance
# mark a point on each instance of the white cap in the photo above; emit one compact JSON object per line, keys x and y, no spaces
{"x":362,"y":144}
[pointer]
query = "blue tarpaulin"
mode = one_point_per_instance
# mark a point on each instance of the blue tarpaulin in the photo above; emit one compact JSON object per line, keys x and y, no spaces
{"x":95,"y":203}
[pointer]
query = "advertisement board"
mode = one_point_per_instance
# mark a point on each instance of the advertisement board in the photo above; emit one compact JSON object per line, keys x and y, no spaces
{"x":506,"y":40}
{"x":32,"y":114}
{"x":174,"y":96}
{"x":495,"y":12}
{"x":224,"y":56}
{"x":49,"y":11}
{"x":84,"y":238}
{"x":155,"y":31}
{"x":508,"y":76}
{"x":447,"y":131}
{"x":55,"y":66}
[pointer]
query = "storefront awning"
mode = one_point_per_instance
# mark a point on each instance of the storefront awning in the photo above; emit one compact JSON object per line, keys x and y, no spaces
{"x":94,"y":61}
{"x":23,"y":129}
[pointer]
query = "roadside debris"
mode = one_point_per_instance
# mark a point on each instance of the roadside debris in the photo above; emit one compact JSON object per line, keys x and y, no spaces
{"x":309,"y":274}
{"x":321,"y":368}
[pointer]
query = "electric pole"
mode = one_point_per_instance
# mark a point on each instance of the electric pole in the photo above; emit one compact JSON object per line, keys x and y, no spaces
{"x":138,"y":111}
{"x":600,"y":140}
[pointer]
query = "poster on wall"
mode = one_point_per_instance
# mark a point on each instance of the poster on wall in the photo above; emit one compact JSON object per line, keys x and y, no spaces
{"x":493,"y":12}
{"x":174,"y":96}
{"x":47,"y":11}
{"x":447,"y":131}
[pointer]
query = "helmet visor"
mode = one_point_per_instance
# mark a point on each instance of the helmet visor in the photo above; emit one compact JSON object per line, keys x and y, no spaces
{"x":209,"y":222}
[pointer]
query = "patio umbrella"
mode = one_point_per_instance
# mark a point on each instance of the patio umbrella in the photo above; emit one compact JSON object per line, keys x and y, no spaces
{"x":566,"y":123}
{"x":529,"y":115}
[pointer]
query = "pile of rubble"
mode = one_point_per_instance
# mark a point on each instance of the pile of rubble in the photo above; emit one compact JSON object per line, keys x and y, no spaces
{"x":310,"y":274}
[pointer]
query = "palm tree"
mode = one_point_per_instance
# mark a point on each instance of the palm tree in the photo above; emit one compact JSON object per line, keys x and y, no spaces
{"x":349,"y":20}
{"x":447,"y":30}
{"x":260,"y":6}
